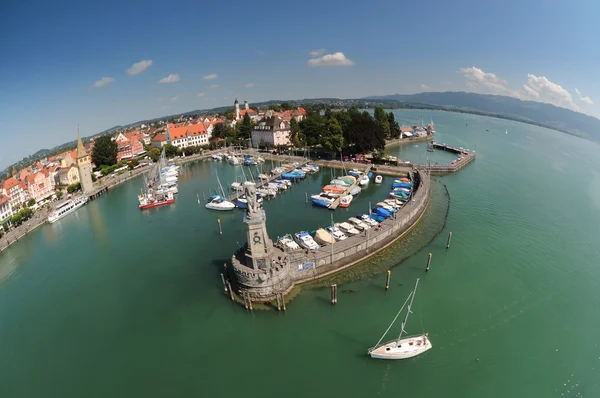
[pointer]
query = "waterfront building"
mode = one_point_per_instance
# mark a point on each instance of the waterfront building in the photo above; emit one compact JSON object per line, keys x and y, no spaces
{"x":23,"y":173}
{"x":185,"y":136}
{"x":129,"y":145}
{"x":16,"y":192}
{"x":68,"y":175}
{"x":159,"y":140}
{"x":40,"y":185}
{"x":5,"y":208}
{"x":271,"y":130}
{"x":84,"y":166}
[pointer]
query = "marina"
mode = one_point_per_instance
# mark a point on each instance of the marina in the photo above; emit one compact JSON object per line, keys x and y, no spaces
{"x":97,"y":311}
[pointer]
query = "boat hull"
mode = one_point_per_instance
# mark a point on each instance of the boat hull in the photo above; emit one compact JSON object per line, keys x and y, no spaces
{"x":406,"y":348}
{"x":157,"y":204}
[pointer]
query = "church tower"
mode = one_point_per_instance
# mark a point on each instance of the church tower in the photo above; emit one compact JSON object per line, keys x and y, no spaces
{"x":246,"y":106}
{"x":84,"y":165}
{"x":237,"y":109}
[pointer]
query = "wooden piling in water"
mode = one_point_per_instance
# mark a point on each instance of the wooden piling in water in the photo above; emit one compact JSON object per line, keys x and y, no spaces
{"x":283,"y":301}
{"x":245,"y":300}
{"x":449,"y":239}
{"x":230,"y":290}
{"x":387,"y":281}
{"x":334,"y":294}
{"x":220,"y":230}
{"x":278,"y":302}
{"x":428,"y":262}
{"x":249,"y":301}
{"x":306,"y":195}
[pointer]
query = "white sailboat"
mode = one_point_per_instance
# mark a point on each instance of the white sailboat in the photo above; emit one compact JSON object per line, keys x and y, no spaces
{"x":402,"y":348}
{"x":218,"y":202}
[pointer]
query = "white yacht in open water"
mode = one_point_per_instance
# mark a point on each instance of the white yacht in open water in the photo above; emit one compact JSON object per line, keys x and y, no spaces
{"x":66,"y":208}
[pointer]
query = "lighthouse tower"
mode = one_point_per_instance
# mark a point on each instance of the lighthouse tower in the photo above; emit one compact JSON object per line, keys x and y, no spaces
{"x":237,"y":109}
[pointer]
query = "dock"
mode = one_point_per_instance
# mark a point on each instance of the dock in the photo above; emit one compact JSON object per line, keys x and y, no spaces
{"x":466,"y":158}
{"x":334,"y":205}
{"x":263,"y":182}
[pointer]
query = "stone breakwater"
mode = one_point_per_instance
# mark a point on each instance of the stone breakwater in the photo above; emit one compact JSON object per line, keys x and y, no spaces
{"x":284,"y":268}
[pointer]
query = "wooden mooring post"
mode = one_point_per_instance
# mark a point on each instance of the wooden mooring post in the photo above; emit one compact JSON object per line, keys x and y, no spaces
{"x":230,"y":290}
{"x":283,"y":301}
{"x":220,"y":230}
{"x":449,"y":239}
{"x":224,"y":282}
{"x":428,"y":262}
{"x":334,"y":294}
{"x":278,"y":302}
{"x":387,"y":280}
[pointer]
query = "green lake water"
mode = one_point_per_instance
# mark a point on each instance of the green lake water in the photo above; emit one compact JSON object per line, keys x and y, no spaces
{"x":111,"y":301}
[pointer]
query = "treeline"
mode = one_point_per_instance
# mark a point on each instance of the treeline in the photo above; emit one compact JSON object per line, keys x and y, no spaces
{"x":349,"y":131}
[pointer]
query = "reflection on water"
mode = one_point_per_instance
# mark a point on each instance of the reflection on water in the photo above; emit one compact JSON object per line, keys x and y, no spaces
{"x":8,"y":264}
{"x":97,"y":223}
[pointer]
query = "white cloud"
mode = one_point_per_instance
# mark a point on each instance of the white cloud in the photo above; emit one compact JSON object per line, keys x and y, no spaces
{"x":213,"y":86}
{"x":337,"y":59}
{"x":543,"y":90}
{"x":425,"y":87}
{"x":176,"y":98}
{"x":485,"y":81}
{"x":103,"y":82}
{"x":250,"y":85}
{"x":139,"y":67}
{"x":317,"y":53}
{"x":172,"y":78}
{"x":200,"y":94}
{"x":539,"y":89}
{"x":210,"y":77}
{"x":586,"y":100}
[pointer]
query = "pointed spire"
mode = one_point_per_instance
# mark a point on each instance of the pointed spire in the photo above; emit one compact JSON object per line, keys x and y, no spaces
{"x":81,"y":152}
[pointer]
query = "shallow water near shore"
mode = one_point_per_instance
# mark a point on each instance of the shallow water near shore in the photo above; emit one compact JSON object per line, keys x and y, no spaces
{"x":111,"y":301}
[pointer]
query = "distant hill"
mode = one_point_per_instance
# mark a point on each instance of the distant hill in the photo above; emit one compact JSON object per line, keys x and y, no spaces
{"x":538,"y":113}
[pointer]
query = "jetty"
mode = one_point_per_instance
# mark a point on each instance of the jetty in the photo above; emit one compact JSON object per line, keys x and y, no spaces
{"x":334,"y":205}
{"x":272,"y":176}
{"x":465,"y":157}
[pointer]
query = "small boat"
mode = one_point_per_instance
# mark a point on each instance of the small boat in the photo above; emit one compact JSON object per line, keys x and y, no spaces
{"x":315,"y":167}
{"x":236,"y":186}
{"x":402,"y":185}
{"x":340,"y":183}
{"x":393,"y":202}
{"x":148,"y":201}
{"x":263,"y":176}
{"x":336,"y":233}
{"x":380,"y":211}
{"x":345,"y":201}
{"x":506,"y":131}
{"x":335,"y":189}
{"x":323,"y":237}
{"x":67,"y":207}
{"x":242,"y":202}
{"x":288,"y":243}
{"x":387,"y":206}
{"x":402,"y":348}
{"x":306,"y":241}
{"x":363,"y":181}
{"x":217,"y":157}
{"x":368,"y":220}
{"x":377,"y":218}
{"x":217,"y":202}
{"x":354,"y":173}
{"x":322,"y":201}
{"x":405,"y":190}
{"x":403,"y":180}
{"x":399,"y":195}
{"x":361,"y":226}
{"x":347,"y":228}
{"x":378,"y":179}
{"x":355,"y":190}
{"x":349,"y":179}
{"x":267,"y":192}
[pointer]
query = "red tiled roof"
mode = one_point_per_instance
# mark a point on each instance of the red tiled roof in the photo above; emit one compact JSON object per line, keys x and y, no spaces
{"x":22,"y":185}
{"x":181,"y":132}
{"x":3,"y":199}
{"x":159,"y":137}
{"x":249,"y":111}
{"x":10,"y":183}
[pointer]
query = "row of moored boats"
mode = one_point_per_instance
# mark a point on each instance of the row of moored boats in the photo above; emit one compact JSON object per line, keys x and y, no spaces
{"x":160,"y":185}
{"x":344,"y":188}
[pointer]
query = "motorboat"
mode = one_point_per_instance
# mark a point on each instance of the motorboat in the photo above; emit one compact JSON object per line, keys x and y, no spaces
{"x":378,"y":179}
{"x":263,"y":176}
{"x":340,"y":182}
{"x":306,"y":241}
{"x":217,"y":157}
{"x":323,"y":237}
{"x":66,"y":208}
{"x":345,"y":201}
{"x":236,"y":186}
{"x":363,"y":181}
{"x":355,"y":173}
{"x":361,"y":226}
{"x":242,"y":201}
{"x":347,"y":228}
{"x":335,"y":189}
{"x":288,"y":243}
{"x":336,"y":233}
{"x":387,"y":206}
{"x":355,"y":190}
{"x":399,"y":195}
{"x":380,"y":211}
{"x":217,"y":202}
{"x":406,"y":185}
{"x":368,"y":220}
{"x":267,"y":192}
{"x":322,"y":201}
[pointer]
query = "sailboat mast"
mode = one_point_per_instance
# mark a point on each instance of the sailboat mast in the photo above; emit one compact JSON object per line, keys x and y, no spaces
{"x":408,"y":310}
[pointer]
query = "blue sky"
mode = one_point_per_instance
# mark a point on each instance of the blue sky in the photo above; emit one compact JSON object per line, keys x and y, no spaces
{"x":54,"y":56}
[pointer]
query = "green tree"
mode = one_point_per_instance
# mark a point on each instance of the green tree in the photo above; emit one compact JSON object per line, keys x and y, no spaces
{"x":30,"y":202}
{"x":286,"y":106}
{"x":313,"y":127}
{"x":171,"y":150}
{"x":74,"y":187}
{"x":275,"y":107}
{"x":245,"y":128}
{"x":394,"y":127}
{"x":154,"y":154}
{"x":5,"y":226}
{"x":364,"y":135}
{"x":105,"y":151}
{"x":296,"y":136}
{"x":229,"y":114}
{"x":132,"y":163}
{"x":381,"y":118}
{"x":59,"y":194}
